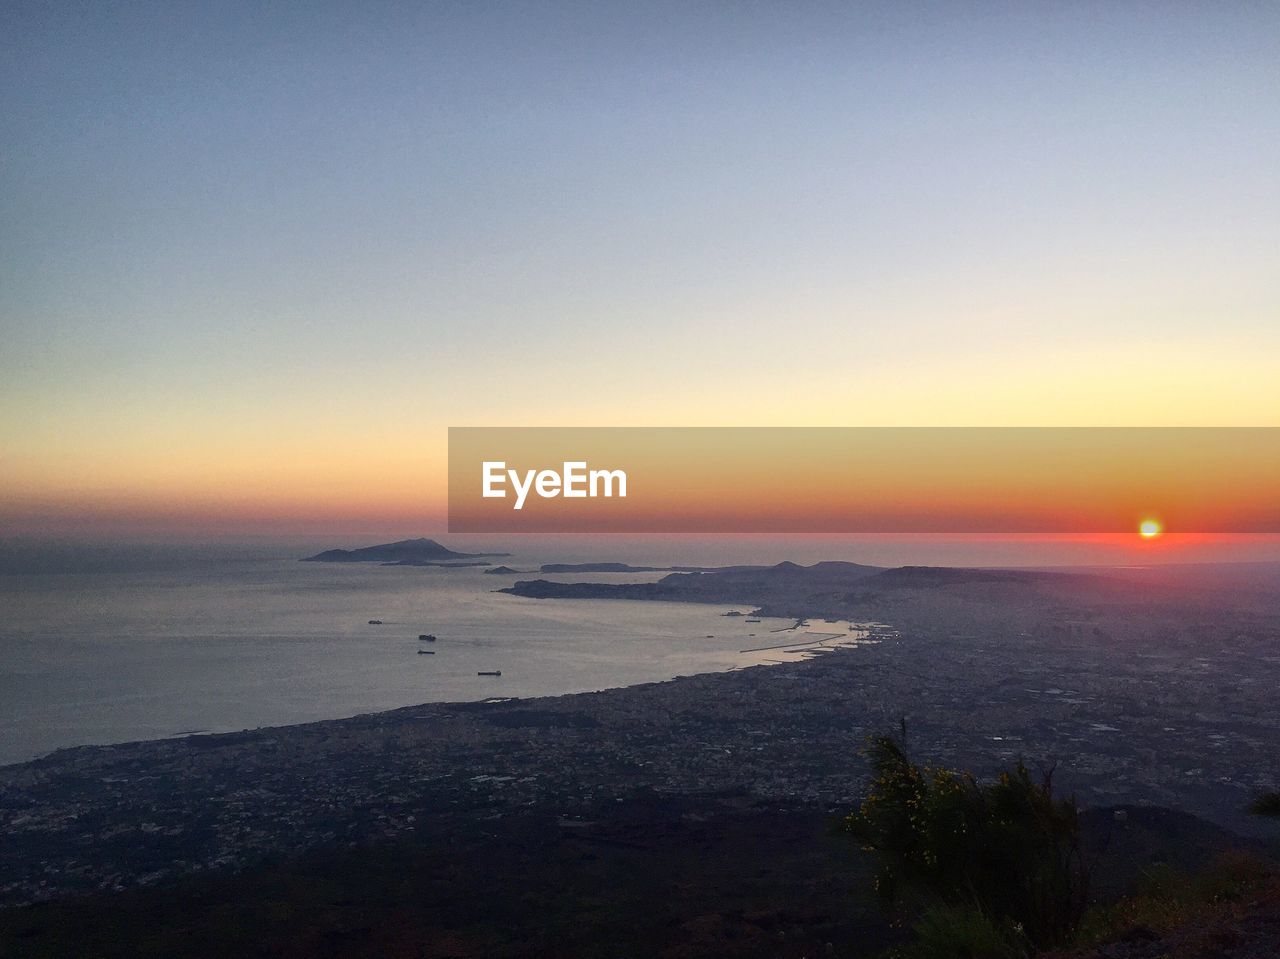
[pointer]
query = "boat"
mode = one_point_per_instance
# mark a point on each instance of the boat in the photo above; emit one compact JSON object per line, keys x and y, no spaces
{"x":753,"y":620}
{"x":489,"y":672}
{"x":426,"y":652}
{"x":426,"y":637}
{"x":375,"y":622}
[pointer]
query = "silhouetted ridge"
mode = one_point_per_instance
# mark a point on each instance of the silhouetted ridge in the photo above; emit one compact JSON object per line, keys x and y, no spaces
{"x":410,"y":551}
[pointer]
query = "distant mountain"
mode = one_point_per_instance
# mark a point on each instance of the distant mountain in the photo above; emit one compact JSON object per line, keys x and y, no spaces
{"x":409,"y":552}
{"x":838,"y":590}
{"x":727,"y":584}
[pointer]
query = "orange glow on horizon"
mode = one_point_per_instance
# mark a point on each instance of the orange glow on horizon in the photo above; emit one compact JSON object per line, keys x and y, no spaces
{"x":938,"y":481}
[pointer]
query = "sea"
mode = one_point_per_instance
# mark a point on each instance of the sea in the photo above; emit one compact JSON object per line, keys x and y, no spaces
{"x":120,"y":646}
{"x":117,"y":643}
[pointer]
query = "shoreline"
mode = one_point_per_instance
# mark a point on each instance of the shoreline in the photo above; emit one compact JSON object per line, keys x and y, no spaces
{"x":977,"y":686}
{"x":1130,"y":697}
{"x":813,"y":645}
{"x":194,"y":734}
{"x":136,"y":658}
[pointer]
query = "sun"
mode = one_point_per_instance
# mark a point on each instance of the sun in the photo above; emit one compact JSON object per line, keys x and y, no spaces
{"x":1150,"y":529}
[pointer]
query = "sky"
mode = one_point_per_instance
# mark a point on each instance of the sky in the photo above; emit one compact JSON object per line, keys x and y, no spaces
{"x":256,"y":259}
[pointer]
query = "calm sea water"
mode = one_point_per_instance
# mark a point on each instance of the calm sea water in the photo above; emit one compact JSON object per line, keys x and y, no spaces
{"x":101,"y":657}
{"x":111,"y":644}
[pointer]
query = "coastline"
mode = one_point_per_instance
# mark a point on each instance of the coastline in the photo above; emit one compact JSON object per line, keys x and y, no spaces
{"x":979,"y":683}
{"x":130,"y":657}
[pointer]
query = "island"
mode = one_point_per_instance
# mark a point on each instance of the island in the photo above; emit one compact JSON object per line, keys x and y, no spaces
{"x":428,"y":562}
{"x":406,"y":552}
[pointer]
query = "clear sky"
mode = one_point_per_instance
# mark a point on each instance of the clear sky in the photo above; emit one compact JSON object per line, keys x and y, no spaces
{"x":255,"y":258}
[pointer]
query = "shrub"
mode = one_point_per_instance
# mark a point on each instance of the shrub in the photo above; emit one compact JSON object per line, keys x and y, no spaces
{"x":1006,"y":852}
{"x":962,"y":932}
{"x":1268,"y":804}
{"x":1167,"y":898}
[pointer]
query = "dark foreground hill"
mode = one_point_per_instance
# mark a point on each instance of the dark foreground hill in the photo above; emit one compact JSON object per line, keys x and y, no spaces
{"x":662,"y":876}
